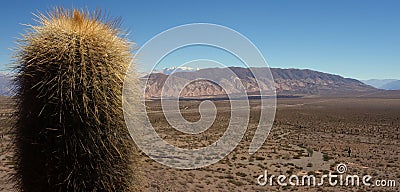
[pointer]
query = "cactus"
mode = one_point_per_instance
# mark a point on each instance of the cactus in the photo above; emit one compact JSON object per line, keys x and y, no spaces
{"x":70,"y":131}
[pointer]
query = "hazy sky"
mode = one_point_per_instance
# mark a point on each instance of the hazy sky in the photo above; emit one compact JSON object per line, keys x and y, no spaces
{"x":352,"y":38}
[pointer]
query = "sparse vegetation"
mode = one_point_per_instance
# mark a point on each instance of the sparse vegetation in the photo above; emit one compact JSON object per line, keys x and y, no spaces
{"x":326,"y":157}
{"x":258,"y":158}
{"x":322,"y":127}
{"x":237,"y":183}
{"x":241,"y":174}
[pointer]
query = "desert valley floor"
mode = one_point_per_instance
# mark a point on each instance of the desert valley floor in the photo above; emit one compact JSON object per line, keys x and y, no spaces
{"x":309,"y":136}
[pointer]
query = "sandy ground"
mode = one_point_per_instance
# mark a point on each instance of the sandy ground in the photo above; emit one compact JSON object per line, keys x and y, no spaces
{"x":310,"y":136}
{"x":6,"y":152}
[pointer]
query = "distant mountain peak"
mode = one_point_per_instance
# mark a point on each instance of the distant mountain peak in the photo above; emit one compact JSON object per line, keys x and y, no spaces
{"x":386,"y":84}
{"x":175,"y":69}
{"x":394,"y":85}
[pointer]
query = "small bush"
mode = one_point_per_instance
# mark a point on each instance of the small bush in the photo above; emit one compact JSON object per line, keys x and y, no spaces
{"x":326,"y":157}
{"x":241,"y":174}
{"x":237,"y":183}
{"x":258,"y":158}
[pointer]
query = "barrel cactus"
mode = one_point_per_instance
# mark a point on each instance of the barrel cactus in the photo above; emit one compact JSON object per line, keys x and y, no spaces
{"x":70,"y":129}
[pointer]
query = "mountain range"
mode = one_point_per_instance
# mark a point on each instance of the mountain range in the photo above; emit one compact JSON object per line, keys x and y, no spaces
{"x":292,"y":82}
{"x":300,"y":82}
{"x":5,"y":85}
{"x":386,"y":84}
{"x":394,"y":85}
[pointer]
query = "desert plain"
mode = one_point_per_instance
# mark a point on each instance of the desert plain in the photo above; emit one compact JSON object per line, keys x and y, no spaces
{"x":310,"y":136}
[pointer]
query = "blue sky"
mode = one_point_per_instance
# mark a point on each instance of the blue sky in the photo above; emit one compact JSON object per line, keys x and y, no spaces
{"x":352,"y":38}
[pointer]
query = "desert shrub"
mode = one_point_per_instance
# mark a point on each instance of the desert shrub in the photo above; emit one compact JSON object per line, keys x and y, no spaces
{"x":311,"y":173}
{"x":241,"y":174}
{"x":326,"y":157}
{"x":310,"y":151}
{"x":290,"y":164}
{"x":237,"y":183}
{"x":70,"y":130}
{"x":298,"y":156}
{"x":259,"y":158}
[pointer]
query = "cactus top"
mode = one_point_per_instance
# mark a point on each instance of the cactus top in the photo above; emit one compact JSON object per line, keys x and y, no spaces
{"x":83,"y":56}
{"x":76,"y":21}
